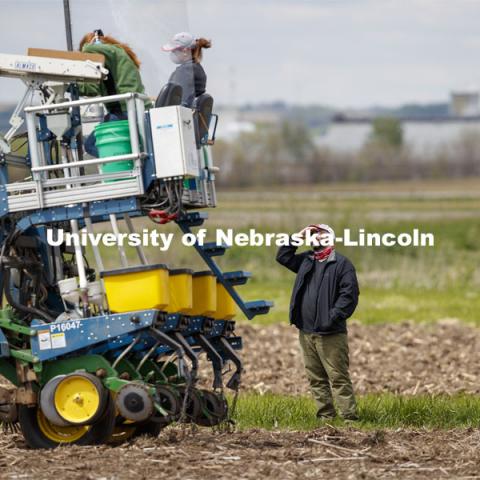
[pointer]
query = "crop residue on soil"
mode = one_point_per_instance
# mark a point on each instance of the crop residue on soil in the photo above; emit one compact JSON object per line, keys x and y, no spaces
{"x":404,"y":358}
{"x":324,"y":453}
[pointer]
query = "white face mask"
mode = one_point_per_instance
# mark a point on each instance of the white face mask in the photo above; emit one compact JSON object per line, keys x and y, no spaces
{"x":96,"y":40}
{"x":180,"y":56}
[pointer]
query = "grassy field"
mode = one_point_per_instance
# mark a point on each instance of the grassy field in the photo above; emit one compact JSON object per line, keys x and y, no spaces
{"x":272,"y":411}
{"x":397,"y":284}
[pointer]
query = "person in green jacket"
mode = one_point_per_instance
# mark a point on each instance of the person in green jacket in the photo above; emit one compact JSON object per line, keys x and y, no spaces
{"x":124,"y":76}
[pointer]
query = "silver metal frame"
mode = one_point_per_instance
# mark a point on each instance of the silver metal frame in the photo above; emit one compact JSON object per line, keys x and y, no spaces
{"x":44,"y":192}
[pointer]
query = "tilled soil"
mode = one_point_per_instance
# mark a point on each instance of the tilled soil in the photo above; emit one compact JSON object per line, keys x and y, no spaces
{"x":405,"y":358}
{"x":324,"y":453}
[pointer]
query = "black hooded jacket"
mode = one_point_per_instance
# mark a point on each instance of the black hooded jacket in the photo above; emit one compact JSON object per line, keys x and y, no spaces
{"x":336,"y":284}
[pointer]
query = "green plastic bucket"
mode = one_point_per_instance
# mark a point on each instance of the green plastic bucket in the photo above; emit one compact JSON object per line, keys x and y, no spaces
{"x":113,"y":138}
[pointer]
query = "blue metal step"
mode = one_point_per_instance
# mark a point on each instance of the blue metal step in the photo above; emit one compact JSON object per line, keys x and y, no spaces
{"x":193,"y":219}
{"x":229,"y":279}
{"x":213,"y":250}
{"x":259,"y":307}
{"x":239,"y":277}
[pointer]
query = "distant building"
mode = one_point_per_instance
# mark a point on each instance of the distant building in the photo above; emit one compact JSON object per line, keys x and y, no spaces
{"x":423,"y":136}
{"x":465,"y":103}
{"x":426,"y":129}
{"x":235,"y":121}
{"x":231,"y":125}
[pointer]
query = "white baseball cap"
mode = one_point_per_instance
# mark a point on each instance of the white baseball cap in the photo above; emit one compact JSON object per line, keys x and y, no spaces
{"x":179,"y":40}
{"x":327,"y":228}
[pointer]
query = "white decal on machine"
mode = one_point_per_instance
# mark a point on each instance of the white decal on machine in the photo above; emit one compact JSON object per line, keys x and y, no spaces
{"x":58,"y":340}
{"x":44,"y":341}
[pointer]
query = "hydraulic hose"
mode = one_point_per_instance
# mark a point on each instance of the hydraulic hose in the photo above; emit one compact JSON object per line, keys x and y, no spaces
{"x":18,"y":306}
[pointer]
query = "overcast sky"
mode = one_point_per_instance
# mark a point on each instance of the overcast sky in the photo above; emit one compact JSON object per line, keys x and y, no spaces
{"x":344,"y":53}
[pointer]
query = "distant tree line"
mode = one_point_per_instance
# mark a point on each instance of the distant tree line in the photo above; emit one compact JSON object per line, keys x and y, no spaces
{"x":286,"y":154}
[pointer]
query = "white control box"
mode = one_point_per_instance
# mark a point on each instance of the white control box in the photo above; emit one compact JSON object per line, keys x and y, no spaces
{"x":174,"y":144}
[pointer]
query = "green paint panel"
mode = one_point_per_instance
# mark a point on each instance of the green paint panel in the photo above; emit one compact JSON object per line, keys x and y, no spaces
{"x":169,"y":369}
{"x":88,"y":363}
{"x":8,"y":371}
{"x":125,"y":366}
{"x":152,"y":373}
{"x":114,"y":384}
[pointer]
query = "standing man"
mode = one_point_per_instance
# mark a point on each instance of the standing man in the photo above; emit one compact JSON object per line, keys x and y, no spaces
{"x":325,"y":295}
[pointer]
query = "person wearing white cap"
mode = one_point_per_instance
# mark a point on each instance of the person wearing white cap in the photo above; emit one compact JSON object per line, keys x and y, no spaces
{"x":325,"y":295}
{"x":186,"y":52}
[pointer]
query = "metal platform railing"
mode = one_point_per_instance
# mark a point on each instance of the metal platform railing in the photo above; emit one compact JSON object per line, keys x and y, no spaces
{"x":77,"y":186}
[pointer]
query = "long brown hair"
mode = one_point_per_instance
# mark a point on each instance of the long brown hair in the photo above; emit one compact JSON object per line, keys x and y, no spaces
{"x":112,"y":41}
{"x":200,"y":44}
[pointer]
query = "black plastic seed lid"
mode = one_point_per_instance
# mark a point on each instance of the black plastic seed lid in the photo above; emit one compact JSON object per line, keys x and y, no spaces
{"x":178,"y":271}
{"x":204,"y":273}
{"x":135,"y":269}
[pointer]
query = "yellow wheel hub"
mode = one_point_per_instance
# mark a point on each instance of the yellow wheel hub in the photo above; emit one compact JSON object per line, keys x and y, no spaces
{"x":77,"y":399}
{"x":60,"y":434}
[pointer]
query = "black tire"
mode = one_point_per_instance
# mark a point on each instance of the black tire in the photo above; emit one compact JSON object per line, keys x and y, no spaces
{"x":122,"y":433}
{"x":214,"y":409}
{"x":170,"y":400}
{"x":150,"y":428}
{"x":30,"y":419}
{"x":47,"y":398}
{"x":106,"y":425}
{"x":194,"y":404}
{"x":222,"y":406}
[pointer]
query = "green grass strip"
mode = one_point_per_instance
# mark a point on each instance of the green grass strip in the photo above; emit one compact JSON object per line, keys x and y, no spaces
{"x":283,"y":412}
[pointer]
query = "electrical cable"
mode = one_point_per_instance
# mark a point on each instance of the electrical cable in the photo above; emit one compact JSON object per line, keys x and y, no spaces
{"x":18,"y":306}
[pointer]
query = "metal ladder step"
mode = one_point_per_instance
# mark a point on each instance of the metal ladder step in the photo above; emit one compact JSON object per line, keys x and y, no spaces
{"x":259,"y":307}
{"x":239,"y":277}
{"x":212,"y":249}
{"x":193,"y":219}
{"x":228,"y":279}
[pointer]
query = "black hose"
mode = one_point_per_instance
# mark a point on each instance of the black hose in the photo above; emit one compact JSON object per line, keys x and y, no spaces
{"x":18,"y":306}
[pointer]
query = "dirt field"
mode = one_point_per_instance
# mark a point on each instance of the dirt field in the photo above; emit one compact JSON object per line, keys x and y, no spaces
{"x":325,"y":453}
{"x":405,"y":358}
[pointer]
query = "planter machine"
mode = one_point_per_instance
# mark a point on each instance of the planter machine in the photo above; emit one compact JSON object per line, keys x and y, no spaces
{"x":94,"y":355}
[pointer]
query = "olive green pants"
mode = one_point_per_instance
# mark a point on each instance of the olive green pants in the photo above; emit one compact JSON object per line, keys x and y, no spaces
{"x":326,"y":364}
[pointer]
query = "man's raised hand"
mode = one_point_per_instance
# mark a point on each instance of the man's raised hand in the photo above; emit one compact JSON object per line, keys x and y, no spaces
{"x":304,"y":231}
